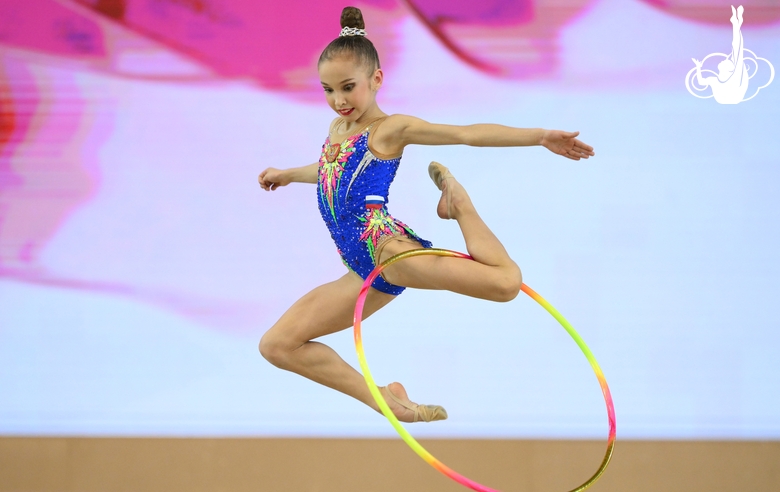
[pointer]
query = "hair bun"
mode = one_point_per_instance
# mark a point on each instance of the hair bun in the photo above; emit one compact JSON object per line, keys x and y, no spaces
{"x":352,"y":17}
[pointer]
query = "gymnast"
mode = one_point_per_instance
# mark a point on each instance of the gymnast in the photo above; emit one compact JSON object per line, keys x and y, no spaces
{"x":356,"y":167}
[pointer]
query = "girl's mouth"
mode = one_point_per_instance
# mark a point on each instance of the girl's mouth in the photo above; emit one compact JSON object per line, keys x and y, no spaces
{"x":346,"y":112}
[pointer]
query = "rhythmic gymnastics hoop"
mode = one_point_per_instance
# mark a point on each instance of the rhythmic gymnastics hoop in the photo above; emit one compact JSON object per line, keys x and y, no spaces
{"x":407,"y":438}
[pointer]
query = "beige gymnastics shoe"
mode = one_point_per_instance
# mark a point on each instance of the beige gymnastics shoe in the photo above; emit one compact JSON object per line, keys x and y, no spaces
{"x":422,"y":413}
{"x":439,"y":174}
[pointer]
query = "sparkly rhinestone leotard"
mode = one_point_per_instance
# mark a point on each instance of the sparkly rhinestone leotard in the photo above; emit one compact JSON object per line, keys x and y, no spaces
{"x":353,"y":195}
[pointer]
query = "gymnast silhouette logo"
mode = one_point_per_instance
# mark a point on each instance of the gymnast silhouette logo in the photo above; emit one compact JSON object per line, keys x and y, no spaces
{"x":730,"y":84}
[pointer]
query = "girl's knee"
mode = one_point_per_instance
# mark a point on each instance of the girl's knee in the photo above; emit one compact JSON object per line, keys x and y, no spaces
{"x":508,"y":286}
{"x":273,"y":350}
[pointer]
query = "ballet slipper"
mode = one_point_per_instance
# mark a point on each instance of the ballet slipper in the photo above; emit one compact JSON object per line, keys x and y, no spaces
{"x":439,"y":174}
{"x":422,"y":413}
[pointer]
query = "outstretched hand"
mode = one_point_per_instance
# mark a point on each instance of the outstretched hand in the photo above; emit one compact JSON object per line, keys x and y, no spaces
{"x":273,"y":178}
{"x":565,"y":144}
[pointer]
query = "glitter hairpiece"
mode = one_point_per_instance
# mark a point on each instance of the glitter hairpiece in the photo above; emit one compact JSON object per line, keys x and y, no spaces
{"x":352,"y":31}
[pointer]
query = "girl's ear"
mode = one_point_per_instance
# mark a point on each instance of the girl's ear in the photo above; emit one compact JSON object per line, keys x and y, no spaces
{"x":377,"y":79}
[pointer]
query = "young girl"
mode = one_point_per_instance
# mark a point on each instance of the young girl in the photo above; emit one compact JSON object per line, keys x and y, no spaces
{"x":357,"y":164}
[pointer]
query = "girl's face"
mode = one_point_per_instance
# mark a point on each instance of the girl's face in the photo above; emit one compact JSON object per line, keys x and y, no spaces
{"x":349,"y":90}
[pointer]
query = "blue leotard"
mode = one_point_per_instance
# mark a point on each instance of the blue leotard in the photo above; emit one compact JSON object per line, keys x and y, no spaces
{"x":353,"y":195}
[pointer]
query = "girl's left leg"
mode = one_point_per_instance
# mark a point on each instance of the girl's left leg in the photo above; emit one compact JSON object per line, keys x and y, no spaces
{"x":493,"y":275}
{"x":290,"y":343}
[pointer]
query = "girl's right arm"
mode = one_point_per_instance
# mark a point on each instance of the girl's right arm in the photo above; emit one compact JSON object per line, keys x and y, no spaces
{"x":273,"y":178}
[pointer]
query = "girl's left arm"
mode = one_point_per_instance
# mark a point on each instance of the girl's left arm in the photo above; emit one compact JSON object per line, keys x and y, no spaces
{"x":411,"y":130}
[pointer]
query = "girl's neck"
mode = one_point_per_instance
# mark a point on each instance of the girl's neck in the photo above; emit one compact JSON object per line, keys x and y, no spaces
{"x":348,"y":128}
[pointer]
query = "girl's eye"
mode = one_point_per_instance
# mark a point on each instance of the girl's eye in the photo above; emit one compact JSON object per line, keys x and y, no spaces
{"x":348,"y":88}
{"x":328,"y":90}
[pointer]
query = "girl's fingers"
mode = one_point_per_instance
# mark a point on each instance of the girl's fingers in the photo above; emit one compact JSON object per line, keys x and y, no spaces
{"x":583,"y":148}
{"x":582,"y":145}
{"x":577,"y":154}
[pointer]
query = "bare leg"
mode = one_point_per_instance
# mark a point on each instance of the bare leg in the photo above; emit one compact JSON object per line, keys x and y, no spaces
{"x":325,"y":310}
{"x":492,"y":275}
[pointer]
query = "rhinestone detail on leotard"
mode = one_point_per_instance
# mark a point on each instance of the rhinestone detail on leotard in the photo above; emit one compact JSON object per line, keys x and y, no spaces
{"x":346,"y":179}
